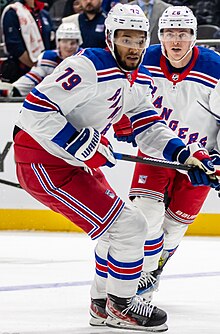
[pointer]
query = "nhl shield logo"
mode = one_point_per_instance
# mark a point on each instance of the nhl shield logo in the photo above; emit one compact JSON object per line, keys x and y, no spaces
{"x":175,"y":77}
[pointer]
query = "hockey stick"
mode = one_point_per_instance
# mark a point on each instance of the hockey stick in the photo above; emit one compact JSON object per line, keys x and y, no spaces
{"x":9,"y":183}
{"x":209,"y":111}
{"x":152,"y":161}
{"x":155,"y":162}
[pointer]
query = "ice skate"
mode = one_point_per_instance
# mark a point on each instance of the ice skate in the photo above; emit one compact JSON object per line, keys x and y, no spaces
{"x":97,"y":312}
{"x":149,"y":282}
{"x":135,"y":314}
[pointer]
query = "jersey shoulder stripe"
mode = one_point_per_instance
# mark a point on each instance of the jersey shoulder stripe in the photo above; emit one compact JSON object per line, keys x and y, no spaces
{"x":37,"y":101}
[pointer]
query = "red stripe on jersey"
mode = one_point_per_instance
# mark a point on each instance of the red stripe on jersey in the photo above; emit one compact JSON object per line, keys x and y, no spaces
{"x":153,"y":247}
{"x":101,"y":268}
{"x":199,"y":75}
{"x":35,"y":100}
{"x":124,"y":270}
{"x":145,"y":121}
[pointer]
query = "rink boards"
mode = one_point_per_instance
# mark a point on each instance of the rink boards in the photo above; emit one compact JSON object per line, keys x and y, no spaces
{"x":18,"y":211}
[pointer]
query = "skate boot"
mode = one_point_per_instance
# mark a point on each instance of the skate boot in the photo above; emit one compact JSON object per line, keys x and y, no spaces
{"x":97,"y":312}
{"x":149,"y":282}
{"x":135,"y":314}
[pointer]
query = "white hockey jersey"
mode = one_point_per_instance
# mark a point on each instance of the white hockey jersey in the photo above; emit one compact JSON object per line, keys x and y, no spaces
{"x":47,"y":61}
{"x":89,"y":89}
{"x":189,"y":101}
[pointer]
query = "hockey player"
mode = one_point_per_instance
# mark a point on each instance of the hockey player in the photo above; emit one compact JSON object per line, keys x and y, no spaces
{"x":68,"y":39}
{"x":59,"y":144}
{"x":187,"y":96}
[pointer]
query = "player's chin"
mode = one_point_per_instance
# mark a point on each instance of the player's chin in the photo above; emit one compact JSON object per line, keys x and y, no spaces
{"x":132,"y":64}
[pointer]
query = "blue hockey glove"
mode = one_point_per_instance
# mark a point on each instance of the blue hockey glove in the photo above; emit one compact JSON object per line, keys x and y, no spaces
{"x":92,"y":148}
{"x":123,"y":131}
{"x":203,"y":170}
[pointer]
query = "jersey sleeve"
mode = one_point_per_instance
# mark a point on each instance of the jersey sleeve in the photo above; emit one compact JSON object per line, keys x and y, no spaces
{"x":37,"y":73}
{"x":44,"y":114}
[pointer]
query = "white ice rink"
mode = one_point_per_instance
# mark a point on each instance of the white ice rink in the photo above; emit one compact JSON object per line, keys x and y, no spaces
{"x":45,"y":281}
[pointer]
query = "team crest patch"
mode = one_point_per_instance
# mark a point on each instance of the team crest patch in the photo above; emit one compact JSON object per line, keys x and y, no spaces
{"x":142,"y":179}
{"x":110,"y":193}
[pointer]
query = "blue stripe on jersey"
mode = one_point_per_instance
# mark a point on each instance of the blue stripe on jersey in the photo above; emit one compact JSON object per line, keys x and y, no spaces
{"x":172,"y":145}
{"x":143,"y":114}
{"x":152,"y":247}
{"x":124,"y":270}
{"x":149,"y":117}
{"x":38,"y":101}
{"x":154,"y":241}
{"x":112,"y":77}
{"x":146,"y":126}
{"x":32,"y":79}
{"x":157,"y":75}
{"x":101,"y":273}
{"x":203,"y":82}
{"x":142,"y":82}
{"x":124,"y":277}
{"x":64,"y":135}
{"x":30,"y":106}
{"x":101,"y":266}
{"x":100,"y":260}
{"x":153,"y":252}
{"x":124,"y":264}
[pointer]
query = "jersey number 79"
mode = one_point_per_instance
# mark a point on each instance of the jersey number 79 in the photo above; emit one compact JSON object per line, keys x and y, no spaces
{"x":72,"y":79}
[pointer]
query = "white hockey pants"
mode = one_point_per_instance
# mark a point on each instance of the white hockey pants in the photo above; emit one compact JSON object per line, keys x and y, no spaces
{"x":163,"y":232}
{"x":119,"y":255}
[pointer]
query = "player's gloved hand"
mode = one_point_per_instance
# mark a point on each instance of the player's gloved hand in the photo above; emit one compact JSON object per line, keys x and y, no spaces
{"x":203,"y":172}
{"x":92,"y":148}
{"x":123,"y":131}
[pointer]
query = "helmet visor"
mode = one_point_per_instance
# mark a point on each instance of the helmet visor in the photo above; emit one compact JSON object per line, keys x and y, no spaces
{"x":130,"y":42}
{"x":170,"y":36}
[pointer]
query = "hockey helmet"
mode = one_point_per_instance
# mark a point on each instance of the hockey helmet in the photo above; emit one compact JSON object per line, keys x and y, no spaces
{"x":68,"y":31}
{"x":178,"y":17}
{"x":126,"y":17}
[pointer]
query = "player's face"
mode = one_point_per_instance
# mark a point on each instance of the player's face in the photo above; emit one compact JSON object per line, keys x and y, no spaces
{"x":91,"y":6}
{"x":176,"y":42}
{"x":129,"y":47}
{"x":67,"y":47}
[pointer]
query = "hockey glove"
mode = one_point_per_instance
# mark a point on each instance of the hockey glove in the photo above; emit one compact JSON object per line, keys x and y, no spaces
{"x":92,"y":148}
{"x":123,"y":131}
{"x":203,"y":172}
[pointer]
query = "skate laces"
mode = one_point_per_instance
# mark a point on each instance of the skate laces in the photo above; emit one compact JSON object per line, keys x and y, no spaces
{"x":139,"y":306}
{"x":147,"y":280}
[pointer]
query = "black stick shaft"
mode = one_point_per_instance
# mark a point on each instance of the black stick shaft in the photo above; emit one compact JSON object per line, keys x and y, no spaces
{"x":9,"y":183}
{"x":152,"y":161}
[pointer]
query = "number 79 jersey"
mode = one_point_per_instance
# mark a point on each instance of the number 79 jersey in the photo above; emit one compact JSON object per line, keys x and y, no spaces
{"x":90,"y":90}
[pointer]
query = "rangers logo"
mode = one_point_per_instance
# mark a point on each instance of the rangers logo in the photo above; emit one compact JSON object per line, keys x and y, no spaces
{"x":175,"y":77}
{"x":110,"y":193}
{"x":142,"y":179}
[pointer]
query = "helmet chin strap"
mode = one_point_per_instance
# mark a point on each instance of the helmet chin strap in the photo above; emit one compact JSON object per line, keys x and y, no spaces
{"x":183,"y":57}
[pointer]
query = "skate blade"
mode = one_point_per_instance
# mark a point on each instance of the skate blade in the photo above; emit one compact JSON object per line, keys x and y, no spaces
{"x":97,"y":322}
{"x":118,"y":323}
